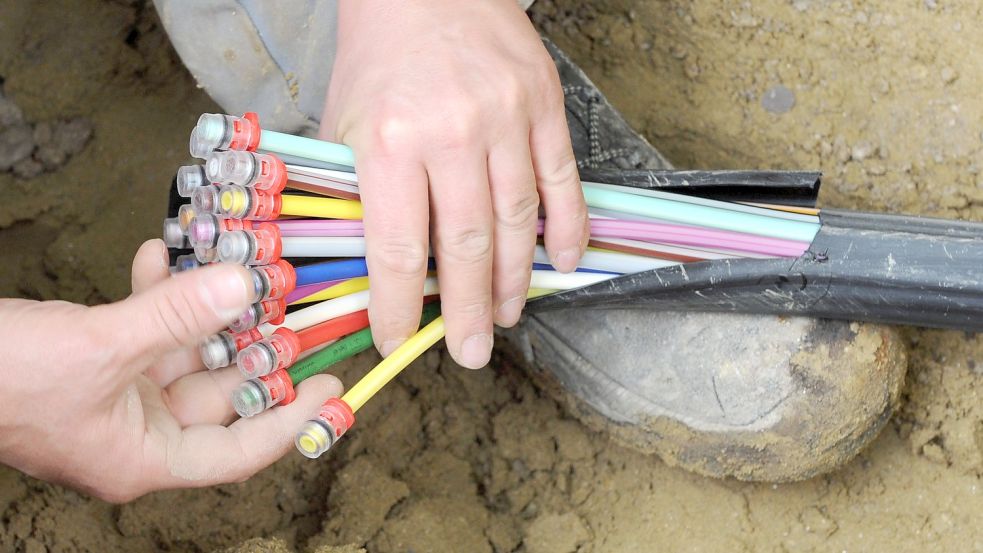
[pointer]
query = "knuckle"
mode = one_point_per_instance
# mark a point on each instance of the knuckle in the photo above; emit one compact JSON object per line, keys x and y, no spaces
{"x":470,"y":309}
{"x":460,"y":127}
{"x":402,"y":258}
{"x":561,"y":174}
{"x":520,"y":213}
{"x":174,"y":319}
{"x":466,"y":245}
{"x":393,"y":131}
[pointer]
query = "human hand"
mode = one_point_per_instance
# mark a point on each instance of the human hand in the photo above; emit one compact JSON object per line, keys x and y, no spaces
{"x":113,"y":400}
{"x":453,"y":109}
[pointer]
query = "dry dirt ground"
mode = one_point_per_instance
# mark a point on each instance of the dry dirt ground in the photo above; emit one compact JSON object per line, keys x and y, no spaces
{"x":882,"y":95}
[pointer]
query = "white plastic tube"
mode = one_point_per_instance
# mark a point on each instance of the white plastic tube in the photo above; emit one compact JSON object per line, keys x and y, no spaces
{"x":610,"y":261}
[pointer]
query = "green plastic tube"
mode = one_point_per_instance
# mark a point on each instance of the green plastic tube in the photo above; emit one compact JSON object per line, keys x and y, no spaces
{"x":345,"y":348}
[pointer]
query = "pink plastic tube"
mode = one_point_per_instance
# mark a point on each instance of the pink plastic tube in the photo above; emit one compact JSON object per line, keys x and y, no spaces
{"x":302,"y":292}
{"x":695,"y":236}
{"x":320,"y":227}
{"x":646,"y":231}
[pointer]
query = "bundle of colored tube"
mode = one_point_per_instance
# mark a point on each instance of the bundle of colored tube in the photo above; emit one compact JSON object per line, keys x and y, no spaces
{"x":280,"y":204}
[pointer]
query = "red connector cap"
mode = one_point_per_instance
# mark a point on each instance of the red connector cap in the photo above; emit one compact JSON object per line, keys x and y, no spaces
{"x":245,"y":132}
{"x":271,"y":175}
{"x":279,"y":351}
{"x":281,"y":387}
{"x":278,"y":279}
{"x":338,"y":415}
{"x":246,"y":338}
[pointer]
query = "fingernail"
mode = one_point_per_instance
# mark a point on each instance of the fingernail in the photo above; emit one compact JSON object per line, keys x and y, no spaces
{"x":510,"y":310}
{"x":225,"y":290}
{"x":390,"y":346}
{"x":567,"y":260}
{"x":476,"y":351}
{"x":164,"y":257}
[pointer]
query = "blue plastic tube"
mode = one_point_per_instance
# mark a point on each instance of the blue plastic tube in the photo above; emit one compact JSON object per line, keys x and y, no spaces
{"x":331,"y":270}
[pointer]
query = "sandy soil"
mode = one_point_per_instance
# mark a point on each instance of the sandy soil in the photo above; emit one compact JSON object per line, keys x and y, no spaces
{"x":881,"y":95}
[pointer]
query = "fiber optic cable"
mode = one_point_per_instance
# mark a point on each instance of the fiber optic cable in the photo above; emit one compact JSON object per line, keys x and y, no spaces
{"x":282,"y":348}
{"x":341,"y":289}
{"x":337,"y":415}
{"x":700,"y":215}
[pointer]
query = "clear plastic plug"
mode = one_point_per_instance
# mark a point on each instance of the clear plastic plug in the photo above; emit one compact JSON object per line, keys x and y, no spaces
{"x":173,"y":234}
{"x":274,"y":281}
{"x":260,"y":171}
{"x":265,"y":311}
{"x":317,"y":435}
{"x":216,"y":131}
{"x":240,"y":202}
{"x":189,"y":178}
{"x":206,"y":255}
{"x":219,"y":350}
{"x":279,"y":351}
{"x":254,"y":396}
{"x":257,"y":360}
{"x":204,"y":230}
{"x":205,"y":199}
{"x":185,"y":214}
{"x":260,"y":246}
{"x":185,"y":263}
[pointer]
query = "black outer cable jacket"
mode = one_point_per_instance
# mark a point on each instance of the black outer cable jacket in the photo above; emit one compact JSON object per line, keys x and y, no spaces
{"x":861,"y":266}
{"x":793,"y":188}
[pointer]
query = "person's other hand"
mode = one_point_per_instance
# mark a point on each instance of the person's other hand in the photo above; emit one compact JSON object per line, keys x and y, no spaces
{"x":453,"y":109}
{"x":113,"y":399}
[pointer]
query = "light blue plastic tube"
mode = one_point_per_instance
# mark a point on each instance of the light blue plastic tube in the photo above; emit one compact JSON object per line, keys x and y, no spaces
{"x":309,"y":148}
{"x":700,"y":215}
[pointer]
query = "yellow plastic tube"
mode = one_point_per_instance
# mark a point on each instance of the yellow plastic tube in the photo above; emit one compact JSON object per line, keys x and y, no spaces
{"x":349,"y":286}
{"x":322,"y":208}
{"x":399,"y":359}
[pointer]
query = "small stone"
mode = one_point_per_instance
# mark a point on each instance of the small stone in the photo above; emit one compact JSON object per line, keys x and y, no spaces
{"x":862,"y":150}
{"x":10,"y":113}
{"x":60,"y":140}
{"x":16,"y":143}
{"x":931,"y":4}
{"x":28,"y":168}
{"x":949,"y":75}
{"x":778,"y":99}
{"x":555,"y":533}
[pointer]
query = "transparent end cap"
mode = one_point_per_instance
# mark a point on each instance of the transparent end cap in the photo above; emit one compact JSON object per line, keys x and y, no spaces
{"x":256,"y":360}
{"x":185,"y":214}
{"x":217,"y":351}
{"x":205,"y":199}
{"x":231,"y":167}
{"x":206,"y":255}
{"x":314,"y":438}
{"x":233,"y":200}
{"x":234,"y":247}
{"x":185,"y":263}
{"x":251,"y":398}
{"x":172,"y":233}
{"x":203,"y":231}
{"x":249,"y":319}
{"x":213,"y":132}
{"x":190,"y":177}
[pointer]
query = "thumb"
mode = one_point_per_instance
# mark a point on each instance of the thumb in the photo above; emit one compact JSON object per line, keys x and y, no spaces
{"x":178,"y":312}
